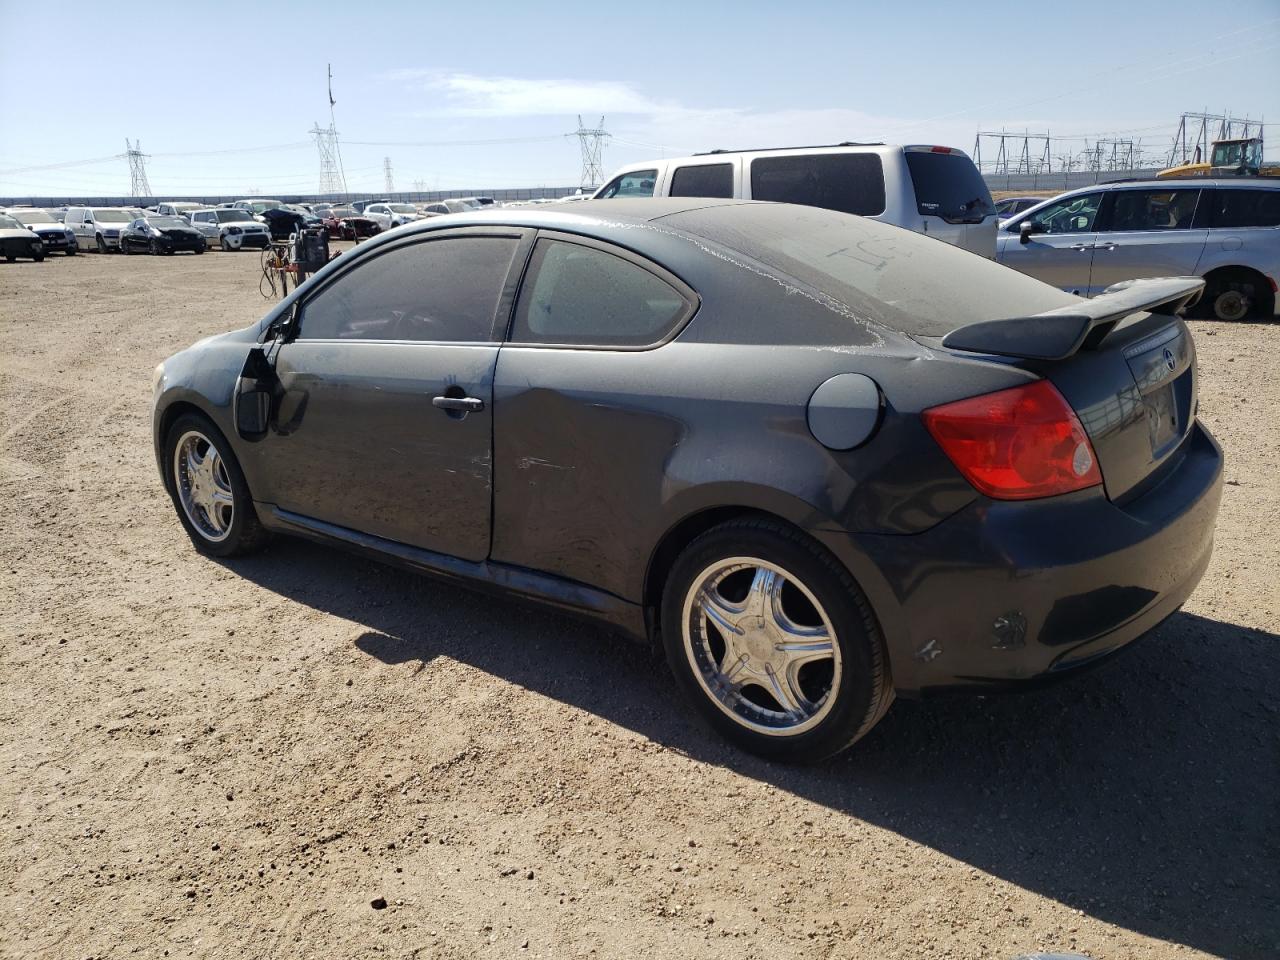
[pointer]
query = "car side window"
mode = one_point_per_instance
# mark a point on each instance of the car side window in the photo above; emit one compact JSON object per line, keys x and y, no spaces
{"x":637,"y":183}
{"x":847,"y":182}
{"x":703,"y":180}
{"x":1153,"y":210}
{"x":1073,"y":215}
{"x":1245,"y":208}
{"x":581,"y":296}
{"x":444,"y":290}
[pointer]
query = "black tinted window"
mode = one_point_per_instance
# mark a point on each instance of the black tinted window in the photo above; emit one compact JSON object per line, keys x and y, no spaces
{"x":444,"y":289}
{"x":703,"y":180}
{"x":580,"y":295}
{"x":949,"y":186}
{"x":1245,"y":208}
{"x":848,"y":182}
{"x":1153,"y":209}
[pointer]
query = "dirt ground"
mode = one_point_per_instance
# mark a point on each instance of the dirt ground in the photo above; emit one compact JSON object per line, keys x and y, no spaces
{"x":204,"y":759}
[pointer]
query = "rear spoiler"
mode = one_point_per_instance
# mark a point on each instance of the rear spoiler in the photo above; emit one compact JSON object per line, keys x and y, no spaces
{"x":1057,"y":334}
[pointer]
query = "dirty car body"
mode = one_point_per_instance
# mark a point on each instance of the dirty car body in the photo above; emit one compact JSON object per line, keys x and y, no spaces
{"x":808,"y":374}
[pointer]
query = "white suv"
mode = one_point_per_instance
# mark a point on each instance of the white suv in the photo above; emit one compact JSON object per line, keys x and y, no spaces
{"x":231,"y":228}
{"x":932,"y":190}
{"x":388,"y":215}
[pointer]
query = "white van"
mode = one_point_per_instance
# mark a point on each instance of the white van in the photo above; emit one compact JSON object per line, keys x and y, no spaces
{"x":932,"y":190}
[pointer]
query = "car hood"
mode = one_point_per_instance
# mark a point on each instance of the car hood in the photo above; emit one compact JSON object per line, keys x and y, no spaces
{"x":11,"y":234}
{"x":49,"y":228}
{"x":242,"y":223}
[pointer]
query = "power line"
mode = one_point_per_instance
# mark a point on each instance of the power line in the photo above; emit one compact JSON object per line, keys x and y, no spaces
{"x":592,"y":142}
{"x":138,"y":185}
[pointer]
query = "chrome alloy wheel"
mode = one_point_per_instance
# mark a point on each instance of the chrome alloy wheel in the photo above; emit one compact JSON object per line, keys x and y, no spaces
{"x":204,"y":486}
{"x":761,"y":646}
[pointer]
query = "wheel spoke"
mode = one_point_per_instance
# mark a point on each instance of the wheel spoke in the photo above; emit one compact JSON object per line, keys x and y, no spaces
{"x":765,"y":595}
{"x":806,"y":648}
{"x":722,"y":613}
{"x":780,"y":686}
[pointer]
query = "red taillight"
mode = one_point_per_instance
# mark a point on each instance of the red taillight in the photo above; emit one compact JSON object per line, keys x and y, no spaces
{"x":1016,"y":444}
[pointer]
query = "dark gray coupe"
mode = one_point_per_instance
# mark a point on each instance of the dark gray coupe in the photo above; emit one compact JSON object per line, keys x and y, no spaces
{"x":823,"y":459}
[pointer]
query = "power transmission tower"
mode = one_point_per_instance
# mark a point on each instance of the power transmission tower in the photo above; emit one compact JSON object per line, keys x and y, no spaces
{"x":138,"y":185}
{"x":592,"y":142}
{"x":1031,"y":157}
{"x":386,"y":173}
{"x":332,"y":178}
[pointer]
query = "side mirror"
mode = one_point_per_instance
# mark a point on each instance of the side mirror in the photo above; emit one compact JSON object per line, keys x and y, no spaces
{"x":1026,"y":228}
{"x":256,"y":393}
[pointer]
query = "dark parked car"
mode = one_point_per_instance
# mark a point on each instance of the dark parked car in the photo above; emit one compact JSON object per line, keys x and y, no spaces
{"x":343,"y":223}
{"x":55,"y":237}
{"x":1013,"y":205}
{"x":283,"y":223}
{"x":157,"y":234}
{"x":822,"y":458}
{"x":17,"y":241}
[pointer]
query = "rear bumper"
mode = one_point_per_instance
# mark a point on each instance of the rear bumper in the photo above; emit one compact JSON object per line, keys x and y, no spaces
{"x":1006,"y":592}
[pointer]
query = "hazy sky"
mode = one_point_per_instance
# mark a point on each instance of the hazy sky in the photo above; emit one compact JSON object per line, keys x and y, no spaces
{"x":222,"y":94}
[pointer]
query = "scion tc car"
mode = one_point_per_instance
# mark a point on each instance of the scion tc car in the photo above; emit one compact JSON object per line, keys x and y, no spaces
{"x":160,"y":235}
{"x":822,"y":458}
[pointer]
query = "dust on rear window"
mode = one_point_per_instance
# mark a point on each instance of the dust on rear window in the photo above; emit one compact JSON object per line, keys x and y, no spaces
{"x":903,"y":280}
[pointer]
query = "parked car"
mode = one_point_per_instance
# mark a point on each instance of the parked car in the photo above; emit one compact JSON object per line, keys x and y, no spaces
{"x":17,"y":241}
{"x":282,"y":223}
{"x":1224,"y":230}
{"x":160,"y":235}
{"x":231,"y":228}
{"x":98,"y":228}
{"x":932,"y":190}
{"x":1010,"y":205}
{"x":823,"y":478}
{"x":54,"y":236}
{"x":178,"y":208}
{"x":441,"y":207}
{"x":257,"y":207}
{"x":388,"y":215}
{"x":343,"y":223}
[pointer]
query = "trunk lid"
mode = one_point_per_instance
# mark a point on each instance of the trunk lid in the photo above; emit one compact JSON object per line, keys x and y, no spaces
{"x":1124,"y":361}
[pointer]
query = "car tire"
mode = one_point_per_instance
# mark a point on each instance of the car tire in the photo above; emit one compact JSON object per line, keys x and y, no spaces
{"x":835,"y":671}
{"x":224,"y":246}
{"x":198,"y":249}
{"x":203,"y":496}
{"x":153,"y":248}
{"x":1229,"y":304}
{"x":124,"y":248}
{"x":38,"y":257}
{"x":70,"y":251}
{"x":10,"y":258}
{"x":102,"y":244}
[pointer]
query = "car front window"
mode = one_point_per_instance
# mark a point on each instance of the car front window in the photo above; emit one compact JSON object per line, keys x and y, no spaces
{"x":1073,"y":215}
{"x":638,"y":183}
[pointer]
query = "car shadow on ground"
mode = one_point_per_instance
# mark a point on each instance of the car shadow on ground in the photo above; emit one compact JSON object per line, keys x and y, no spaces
{"x":1143,"y":793}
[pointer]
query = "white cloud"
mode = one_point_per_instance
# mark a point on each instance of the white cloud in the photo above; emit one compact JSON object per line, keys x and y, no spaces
{"x":469,"y":95}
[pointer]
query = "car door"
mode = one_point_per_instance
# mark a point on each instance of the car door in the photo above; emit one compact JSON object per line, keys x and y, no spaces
{"x":1148,"y":233}
{"x":385,"y":422}
{"x":1059,"y":248}
{"x":75,"y":219}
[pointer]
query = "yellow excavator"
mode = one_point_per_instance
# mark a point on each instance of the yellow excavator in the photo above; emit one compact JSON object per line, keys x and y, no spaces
{"x":1240,"y":157}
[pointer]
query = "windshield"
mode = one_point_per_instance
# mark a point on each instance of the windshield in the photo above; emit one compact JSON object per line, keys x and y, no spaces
{"x":8,"y":223}
{"x":115,"y":216}
{"x":403,"y":207}
{"x":342,"y":212}
{"x":33,"y":216}
{"x":262,"y":206}
{"x":949,"y":186}
{"x":233,"y":216}
{"x":167,"y":223}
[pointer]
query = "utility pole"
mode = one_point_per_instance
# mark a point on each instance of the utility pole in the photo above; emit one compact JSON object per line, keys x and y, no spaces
{"x":138,"y":185}
{"x":386,"y":173}
{"x":592,"y":142}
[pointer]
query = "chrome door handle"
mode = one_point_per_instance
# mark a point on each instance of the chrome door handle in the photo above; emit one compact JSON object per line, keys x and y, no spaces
{"x":1081,"y":246}
{"x":1108,"y":246}
{"x":470,"y":404}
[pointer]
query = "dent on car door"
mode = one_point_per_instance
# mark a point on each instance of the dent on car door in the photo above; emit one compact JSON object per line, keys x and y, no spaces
{"x":1059,"y":250}
{"x":385,"y":422}
{"x":1149,"y":233}
{"x":586,"y":417}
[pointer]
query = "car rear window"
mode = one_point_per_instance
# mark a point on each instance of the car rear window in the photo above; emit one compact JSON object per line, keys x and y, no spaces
{"x":847,"y":182}
{"x":900,"y":279}
{"x":703,"y":180}
{"x":949,"y":186}
{"x":1245,"y":208}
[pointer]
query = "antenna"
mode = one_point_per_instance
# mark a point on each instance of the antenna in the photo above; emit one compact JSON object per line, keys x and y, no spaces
{"x":592,"y":142}
{"x":138,"y":185}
